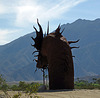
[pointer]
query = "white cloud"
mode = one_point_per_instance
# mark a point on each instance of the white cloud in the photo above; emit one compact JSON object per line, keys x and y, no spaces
{"x":2,"y":9}
{"x":7,"y":7}
{"x":24,"y":13}
{"x":29,"y":11}
{"x":5,"y":35}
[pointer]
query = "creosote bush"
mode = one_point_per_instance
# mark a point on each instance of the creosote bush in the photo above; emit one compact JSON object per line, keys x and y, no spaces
{"x":3,"y":86}
{"x":82,"y":84}
{"x":25,"y":87}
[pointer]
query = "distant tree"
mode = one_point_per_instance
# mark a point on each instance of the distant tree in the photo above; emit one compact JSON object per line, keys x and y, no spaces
{"x":3,"y":86}
{"x":98,"y":81}
{"x":78,"y":79}
{"x":94,"y":80}
{"x":14,"y":88}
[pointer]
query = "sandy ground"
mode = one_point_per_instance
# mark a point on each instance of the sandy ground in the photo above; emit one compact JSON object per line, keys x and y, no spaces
{"x":72,"y":94}
{"x":64,"y":94}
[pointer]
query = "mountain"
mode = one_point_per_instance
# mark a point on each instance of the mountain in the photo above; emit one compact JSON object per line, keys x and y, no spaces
{"x":87,"y":61}
{"x":16,"y":60}
{"x":88,"y":78}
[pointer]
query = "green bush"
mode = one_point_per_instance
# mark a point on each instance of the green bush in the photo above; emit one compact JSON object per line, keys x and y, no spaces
{"x":28,"y":88}
{"x":82,"y":84}
{"x":17,"y":95}
{"x":32,"y":88}
{"x":3,"y":86}
{"x":98,"y":80}
{"x":14,"y":88}
{"x":22,"y":86}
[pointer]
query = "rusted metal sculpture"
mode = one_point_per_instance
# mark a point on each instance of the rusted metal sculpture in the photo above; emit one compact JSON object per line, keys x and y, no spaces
{"x":55,"y":53}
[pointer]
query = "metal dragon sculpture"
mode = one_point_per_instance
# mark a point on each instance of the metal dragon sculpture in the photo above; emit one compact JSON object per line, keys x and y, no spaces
{"x":54,"y":53}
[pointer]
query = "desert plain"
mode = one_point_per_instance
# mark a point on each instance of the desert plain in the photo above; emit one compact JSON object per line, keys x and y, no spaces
{"x":83,"y":93}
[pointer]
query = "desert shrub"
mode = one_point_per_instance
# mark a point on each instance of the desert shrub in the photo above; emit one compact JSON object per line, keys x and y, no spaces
{"x":98,"y":80}
{"x":3,"y":86}
{"x":17,"y":95}
{"x":32,"y":88}
{"x":27,"y":88}
{"x":82,"y":84}
{"x":14,"y":88}
{"x":22,"y":86}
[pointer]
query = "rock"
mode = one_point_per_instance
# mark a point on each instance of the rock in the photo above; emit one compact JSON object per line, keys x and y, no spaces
{"x":42,"y":88}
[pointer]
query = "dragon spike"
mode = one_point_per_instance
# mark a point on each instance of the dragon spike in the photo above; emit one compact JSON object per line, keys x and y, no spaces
{"x":36,"y":55}
{"x":35,"y":30}
{"x":74,"y":47}
{"x":62,"y":30}
{"x":39,"y":37}
{"x":78,"y":40}
{"x":33,"y":45}
{"x":33,"y":60}
{"x":48,"y":28}
{"x":33,"y":38}
{"x":57,"y":31}
{"x":36,"y":60}
{"x":41,"y":31}
{"x":59,"y":26}
{"x":35,"y":69}
{"x":73,"y":41}
{"x":34,"y":52}
{"x":73,"y":56}
{"x":45,"y":34}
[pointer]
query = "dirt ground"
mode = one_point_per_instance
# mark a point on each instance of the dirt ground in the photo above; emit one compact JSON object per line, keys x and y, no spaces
{"x":71,"y":94}
{"x":63,"y":94}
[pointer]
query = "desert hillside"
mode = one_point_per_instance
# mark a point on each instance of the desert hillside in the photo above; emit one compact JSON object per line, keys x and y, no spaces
{"x":16,"y":59}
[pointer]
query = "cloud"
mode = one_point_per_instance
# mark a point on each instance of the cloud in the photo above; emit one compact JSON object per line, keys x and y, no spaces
{"x":29,"y":11}
{"x":5,"y":35}
{"x":2,"y":9}
{"x":22,"y":14}
{"x":7,"y":7}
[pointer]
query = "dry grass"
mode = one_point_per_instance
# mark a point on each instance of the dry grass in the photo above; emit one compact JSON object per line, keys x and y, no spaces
{"x":84,"y":93}
{"x":72,"y":94}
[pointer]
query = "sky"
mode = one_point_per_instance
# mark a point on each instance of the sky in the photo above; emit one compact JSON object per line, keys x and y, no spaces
{"x":17,"y":17}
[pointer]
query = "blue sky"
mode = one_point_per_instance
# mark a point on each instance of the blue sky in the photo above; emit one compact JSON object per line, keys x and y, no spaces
{"x":17,"y":17}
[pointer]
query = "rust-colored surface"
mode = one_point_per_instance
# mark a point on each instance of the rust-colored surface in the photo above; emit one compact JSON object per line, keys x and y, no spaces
{"x":55,"y":53}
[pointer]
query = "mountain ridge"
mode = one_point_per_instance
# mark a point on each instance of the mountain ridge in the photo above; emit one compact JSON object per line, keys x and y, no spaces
{"x":16,"y":61}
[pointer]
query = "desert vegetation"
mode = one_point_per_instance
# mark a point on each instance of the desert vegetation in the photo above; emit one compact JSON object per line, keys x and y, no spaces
{"x":30,"y":89}
{"x":22,"y":87}
{"x":83,"y":84}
